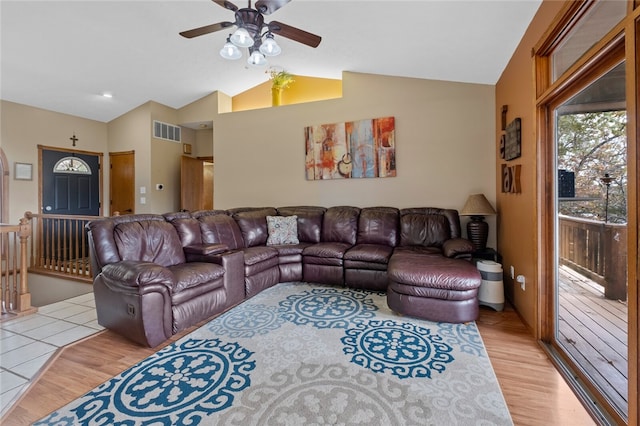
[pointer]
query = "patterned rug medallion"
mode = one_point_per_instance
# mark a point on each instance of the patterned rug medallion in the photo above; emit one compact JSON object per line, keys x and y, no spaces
{"x":299,"y":354}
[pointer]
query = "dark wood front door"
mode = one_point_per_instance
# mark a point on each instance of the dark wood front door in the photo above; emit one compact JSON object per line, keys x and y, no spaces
{"x":70,"y":186}
{"x":70,"y":183}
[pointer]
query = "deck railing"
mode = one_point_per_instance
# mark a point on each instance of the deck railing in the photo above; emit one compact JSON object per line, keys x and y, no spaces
{"x":14,"y":251}
{"x":597,"y":250}
{"x":60,"y":246}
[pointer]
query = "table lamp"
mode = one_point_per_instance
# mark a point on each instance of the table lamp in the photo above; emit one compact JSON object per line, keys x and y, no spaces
{"x":477,"y":206}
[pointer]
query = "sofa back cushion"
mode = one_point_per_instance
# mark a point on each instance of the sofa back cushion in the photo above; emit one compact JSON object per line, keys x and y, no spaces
{"x":428,"y":227}
{"x":220,"y":228}
{"x":309,"y":221}
{"x":188,"y":227}
{"x":379,"y":225}
{"x":154,"y":241}
{"x":141,"y":237}
{"x":340,"y":225}
{"x":253,"y":225}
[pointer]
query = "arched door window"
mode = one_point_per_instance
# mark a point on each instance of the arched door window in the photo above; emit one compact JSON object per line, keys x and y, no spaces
{"x":72,"y":165}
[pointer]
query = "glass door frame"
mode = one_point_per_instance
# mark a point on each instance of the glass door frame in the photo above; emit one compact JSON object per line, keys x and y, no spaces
{"x":622,"y":43}
{"x":614,"y":58}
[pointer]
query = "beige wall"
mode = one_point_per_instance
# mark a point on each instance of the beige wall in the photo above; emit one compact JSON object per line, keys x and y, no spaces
{"x":444,"y":134}
{"x":518,"y":213}
{"x":23,"y":128}
{"x":132,"y":131}
{"x":204,"y":143}
{"x":445,"y":146}
{"x":165,"y":164}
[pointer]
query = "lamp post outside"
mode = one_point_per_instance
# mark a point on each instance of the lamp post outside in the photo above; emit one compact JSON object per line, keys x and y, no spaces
{"x":606,"y":179}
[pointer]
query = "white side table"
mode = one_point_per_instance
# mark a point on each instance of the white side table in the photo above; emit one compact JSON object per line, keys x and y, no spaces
{"x":491,"y":292}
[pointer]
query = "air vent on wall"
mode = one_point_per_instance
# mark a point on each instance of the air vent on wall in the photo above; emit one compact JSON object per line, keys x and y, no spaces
{"x":166,"y":131}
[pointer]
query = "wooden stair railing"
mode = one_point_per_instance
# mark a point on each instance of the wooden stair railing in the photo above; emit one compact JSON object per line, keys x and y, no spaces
{"x":60,"y":246}
{"x":14,"y":251}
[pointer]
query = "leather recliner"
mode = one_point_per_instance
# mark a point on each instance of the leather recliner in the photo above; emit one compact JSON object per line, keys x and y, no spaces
{"x":144,"y":287}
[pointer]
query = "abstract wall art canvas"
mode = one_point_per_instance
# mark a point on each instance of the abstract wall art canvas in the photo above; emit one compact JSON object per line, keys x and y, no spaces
{"x":354,"y":149}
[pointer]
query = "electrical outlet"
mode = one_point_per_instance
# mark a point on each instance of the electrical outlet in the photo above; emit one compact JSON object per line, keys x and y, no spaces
{"x":513,"y":272}
{"x":521,"y":280}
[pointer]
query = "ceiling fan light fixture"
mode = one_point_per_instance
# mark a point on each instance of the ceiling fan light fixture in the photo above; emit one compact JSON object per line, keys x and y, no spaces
{"x":256,"y":59}
{"x":269,"y":47}
{"x":241,"y":38}
{"x":230,"y":51}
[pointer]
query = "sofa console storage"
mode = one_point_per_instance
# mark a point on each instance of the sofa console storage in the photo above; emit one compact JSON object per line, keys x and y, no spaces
{"x":156,"y":275}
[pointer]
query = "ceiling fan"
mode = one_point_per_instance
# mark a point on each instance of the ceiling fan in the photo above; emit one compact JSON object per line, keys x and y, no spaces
{"x":251,"y":29}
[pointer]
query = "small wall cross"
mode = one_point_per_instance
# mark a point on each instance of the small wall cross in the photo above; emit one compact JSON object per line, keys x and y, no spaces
{"x":74,"y":139}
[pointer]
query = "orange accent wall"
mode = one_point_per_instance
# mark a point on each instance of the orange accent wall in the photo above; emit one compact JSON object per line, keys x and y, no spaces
{"x":518,"y":213}
{"x":303,"y":89}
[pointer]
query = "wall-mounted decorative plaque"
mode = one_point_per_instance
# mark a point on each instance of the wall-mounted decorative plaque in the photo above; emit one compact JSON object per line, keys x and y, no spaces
{"x":512,"y":140}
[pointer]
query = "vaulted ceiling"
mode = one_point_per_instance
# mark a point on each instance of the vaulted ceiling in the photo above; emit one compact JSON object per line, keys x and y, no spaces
{"x":62,"y":55}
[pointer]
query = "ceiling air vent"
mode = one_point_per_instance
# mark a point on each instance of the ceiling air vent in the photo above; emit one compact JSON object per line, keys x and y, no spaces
{"x":166,"y":131}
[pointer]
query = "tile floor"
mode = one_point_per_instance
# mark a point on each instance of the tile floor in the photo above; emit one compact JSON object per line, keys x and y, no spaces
{"x":26,"y":343}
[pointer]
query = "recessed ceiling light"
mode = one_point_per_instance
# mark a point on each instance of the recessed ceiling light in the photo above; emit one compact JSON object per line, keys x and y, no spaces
{"x":107,"y":94}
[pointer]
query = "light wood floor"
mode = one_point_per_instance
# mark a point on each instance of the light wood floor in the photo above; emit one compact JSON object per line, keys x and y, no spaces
{"x":534,"y":391}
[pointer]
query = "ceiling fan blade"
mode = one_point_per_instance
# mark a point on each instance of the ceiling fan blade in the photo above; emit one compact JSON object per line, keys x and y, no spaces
{"x":226,"y":4}
{"x":294,"y":34}
{"x":269,"y":6}
{"x":206,"y":29}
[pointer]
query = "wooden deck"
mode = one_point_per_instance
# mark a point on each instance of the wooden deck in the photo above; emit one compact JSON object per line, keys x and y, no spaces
{"x":593,"y":331}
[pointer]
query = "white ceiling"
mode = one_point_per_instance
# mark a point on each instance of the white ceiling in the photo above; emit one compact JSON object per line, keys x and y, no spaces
{"x":62,"y":55}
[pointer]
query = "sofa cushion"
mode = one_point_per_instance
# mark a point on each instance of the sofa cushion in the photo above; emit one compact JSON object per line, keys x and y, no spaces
{"x":309,"y":221}
{"x":193,"y":274}
{"x":188,"y":230}
{"x":326,"y":250}
{"x":258,"y":254}
{"x":435,"y":272}
{"x":424,"y":230}
{"x":221,"y":229}
{"x":378,"y":225}
{"x":340,"y":225}
{"x":282,"y":230}
{"x":149,"y":241}
{"x":418,"y":250}
{"x":374,"y":253}
{"x":253,"y":225}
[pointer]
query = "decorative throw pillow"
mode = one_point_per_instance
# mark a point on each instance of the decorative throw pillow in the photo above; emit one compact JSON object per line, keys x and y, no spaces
{"x":282,"y":230}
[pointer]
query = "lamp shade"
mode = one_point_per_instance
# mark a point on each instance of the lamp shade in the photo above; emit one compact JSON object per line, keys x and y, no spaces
{"x":230,"y":51}
{"x":257,"y":59}
{"x":269,"y":47}
{"x":241,"y":38}
{"x":477,"y":205}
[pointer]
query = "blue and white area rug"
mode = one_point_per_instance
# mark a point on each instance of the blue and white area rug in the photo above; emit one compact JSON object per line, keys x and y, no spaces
{"x":299,"y":354}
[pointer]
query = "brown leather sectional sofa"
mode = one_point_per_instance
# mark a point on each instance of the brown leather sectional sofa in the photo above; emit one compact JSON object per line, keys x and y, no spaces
{"x":155,"y":275}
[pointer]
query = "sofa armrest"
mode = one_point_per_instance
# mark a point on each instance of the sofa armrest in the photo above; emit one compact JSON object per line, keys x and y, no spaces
{"x":132,"y":274}
{"x":457,"y":248}
{"x":204,"y":249}
{"x":233,"y":263}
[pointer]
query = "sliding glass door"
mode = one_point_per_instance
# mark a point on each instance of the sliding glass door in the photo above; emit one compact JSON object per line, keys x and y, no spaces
{"x":590,"y":314}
